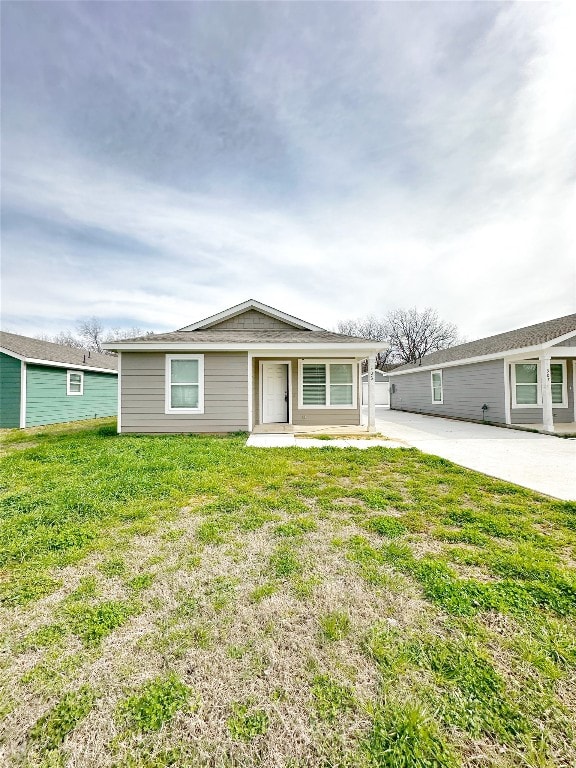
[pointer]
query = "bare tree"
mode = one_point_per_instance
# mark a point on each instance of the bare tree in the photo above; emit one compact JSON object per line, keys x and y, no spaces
{"x":413,"y":333}
{"x":91,"y":331}
{"x":409,"y":333}
{"x":91,"y":334}
{"x":370,"y":327}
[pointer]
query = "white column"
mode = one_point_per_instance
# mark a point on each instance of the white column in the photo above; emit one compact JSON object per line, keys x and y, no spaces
{"x":371,"y":392}
{"x":507,"y":400}
{"x":546,"y":379}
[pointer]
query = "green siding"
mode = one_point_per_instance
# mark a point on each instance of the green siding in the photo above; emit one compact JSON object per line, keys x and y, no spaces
{"x":9,"y":391}
{"x":48,"y":403}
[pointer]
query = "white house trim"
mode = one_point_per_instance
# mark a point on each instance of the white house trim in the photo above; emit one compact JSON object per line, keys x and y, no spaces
{"x":327,"y":362}
{"x":261,"y":388}
{"x":119,"y":406}
{"x":360,"y":351}
{"x":168,"y":385}
{"x":22,"y":394}
{"x":238,"y":309}
{"x":69,"y":392}
{"x":507,"y":394}
{"x":250,"y":393}
{"x":441,"y":401}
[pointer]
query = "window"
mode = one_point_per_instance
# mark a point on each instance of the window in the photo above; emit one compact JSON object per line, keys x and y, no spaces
{"x":327,"y":384}
{"x":436,"y":383}
{"x":74,"y":383}
{"x":559,"y":386}
{"x":526,"y":383}
{"x":184,"y":383}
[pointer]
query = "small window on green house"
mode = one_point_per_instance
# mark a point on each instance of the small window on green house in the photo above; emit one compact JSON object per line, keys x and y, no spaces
{"x":75,"y":383}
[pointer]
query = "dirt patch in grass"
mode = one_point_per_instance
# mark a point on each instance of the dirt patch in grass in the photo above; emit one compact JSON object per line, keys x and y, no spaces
{"x":187,"y":601}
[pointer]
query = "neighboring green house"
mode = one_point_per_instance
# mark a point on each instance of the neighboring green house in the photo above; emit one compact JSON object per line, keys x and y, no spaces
{"x":46,"y":383}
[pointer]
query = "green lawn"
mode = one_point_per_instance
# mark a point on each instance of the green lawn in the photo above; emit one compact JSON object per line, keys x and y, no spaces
{"x":188,"y":601}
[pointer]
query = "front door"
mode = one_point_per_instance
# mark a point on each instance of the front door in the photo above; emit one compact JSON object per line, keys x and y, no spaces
{"x":274,"y":393}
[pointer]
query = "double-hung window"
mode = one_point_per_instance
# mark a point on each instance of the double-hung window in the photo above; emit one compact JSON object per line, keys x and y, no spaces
{"x":74,"y":383}
{"x":527,"y":388}
{"x":326,"y":384}
{"x":184,"y":383}
{"x":436,"y":384}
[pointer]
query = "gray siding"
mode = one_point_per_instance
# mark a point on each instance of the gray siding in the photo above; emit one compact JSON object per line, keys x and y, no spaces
{"x":571,"y":342}
{"x":225,"y":394}
{"x":252,"y":320}
{"x":302,"y":417}
{"x":561,"y":415}
{"x":465,"y":389}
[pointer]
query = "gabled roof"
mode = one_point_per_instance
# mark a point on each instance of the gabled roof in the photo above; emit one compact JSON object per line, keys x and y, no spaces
{"x":47,"y":353}
{"x":531,"y":336}
{"x":238,"y":309}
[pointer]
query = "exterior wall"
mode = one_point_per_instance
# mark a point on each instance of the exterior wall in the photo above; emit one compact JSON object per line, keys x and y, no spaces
{"x":560,"y":415}
{"x":465,"y":389}
{"x":301,"y":417}
{"x":9,"y":391}
{"x":143,"y":394}
{"x":252,"y":320}
{"x":48,"y":403}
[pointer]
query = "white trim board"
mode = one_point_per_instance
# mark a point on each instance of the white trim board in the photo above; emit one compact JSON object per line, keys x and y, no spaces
{"x":238,"y":309}
{"x":360,"y":351}
{"x":119,"y":406}
{"x":23,"y":390}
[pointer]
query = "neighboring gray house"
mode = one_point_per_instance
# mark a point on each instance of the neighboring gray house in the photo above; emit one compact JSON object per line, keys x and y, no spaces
{"x":46,"y":383}
{"x":524,"y":377}
{"x":242,"y":369}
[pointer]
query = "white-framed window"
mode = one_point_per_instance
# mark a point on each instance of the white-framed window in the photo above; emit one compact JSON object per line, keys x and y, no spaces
{"x":559,"y":384}
{"x":327,"y":384}
{"x":527,"y":384}
{"x":184,"y":384}
{"x":436,"y":387}
{"x":74,"y":383}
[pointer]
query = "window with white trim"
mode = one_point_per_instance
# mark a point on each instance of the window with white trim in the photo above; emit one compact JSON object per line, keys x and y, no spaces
{"x":74,"y":383}
{"x":436,"y":384}
{"x":184,"y":383}
{"x":527,"y":384}
{"x":327,"y":384}
{"x":559,"y":384}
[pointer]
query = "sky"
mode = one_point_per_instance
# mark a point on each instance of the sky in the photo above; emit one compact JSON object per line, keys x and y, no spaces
{"x":164,"y":161}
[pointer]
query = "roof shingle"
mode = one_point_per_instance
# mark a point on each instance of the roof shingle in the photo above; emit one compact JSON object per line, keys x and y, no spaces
{"x":47,"y":351}
{"x":529,"y":336}
{"x":247,"y":337}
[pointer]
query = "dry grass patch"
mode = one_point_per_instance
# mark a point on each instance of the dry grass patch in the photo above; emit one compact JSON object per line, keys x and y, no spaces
{"x":223,"y":607}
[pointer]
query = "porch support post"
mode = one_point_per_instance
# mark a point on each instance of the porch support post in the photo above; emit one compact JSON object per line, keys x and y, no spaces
{"x":371,"y":392}
{"x":546,"y":378}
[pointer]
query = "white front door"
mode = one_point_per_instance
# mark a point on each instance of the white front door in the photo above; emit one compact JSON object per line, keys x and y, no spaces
{"x":274,"y":393}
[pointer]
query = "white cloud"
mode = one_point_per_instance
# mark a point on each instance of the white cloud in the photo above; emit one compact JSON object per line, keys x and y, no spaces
{"x":469,"y":211}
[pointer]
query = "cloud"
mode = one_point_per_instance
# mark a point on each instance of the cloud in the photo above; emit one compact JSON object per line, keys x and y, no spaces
{"x":164,"y":164}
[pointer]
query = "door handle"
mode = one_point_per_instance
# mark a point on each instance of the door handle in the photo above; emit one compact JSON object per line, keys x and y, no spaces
{"x":285,"y":397}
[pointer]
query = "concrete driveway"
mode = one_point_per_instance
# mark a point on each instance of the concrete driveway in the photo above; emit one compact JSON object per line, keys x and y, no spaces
{"x":540,"y":462}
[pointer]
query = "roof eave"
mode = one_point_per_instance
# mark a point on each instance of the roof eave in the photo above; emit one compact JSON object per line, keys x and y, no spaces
{"x":517,"y":353}
{"x":367,"y":348}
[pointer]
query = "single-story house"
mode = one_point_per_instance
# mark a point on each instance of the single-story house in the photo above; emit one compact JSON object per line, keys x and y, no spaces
{"x":522,"y":377}
{"x":46,"y":383}
{"x":244,"y":368}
